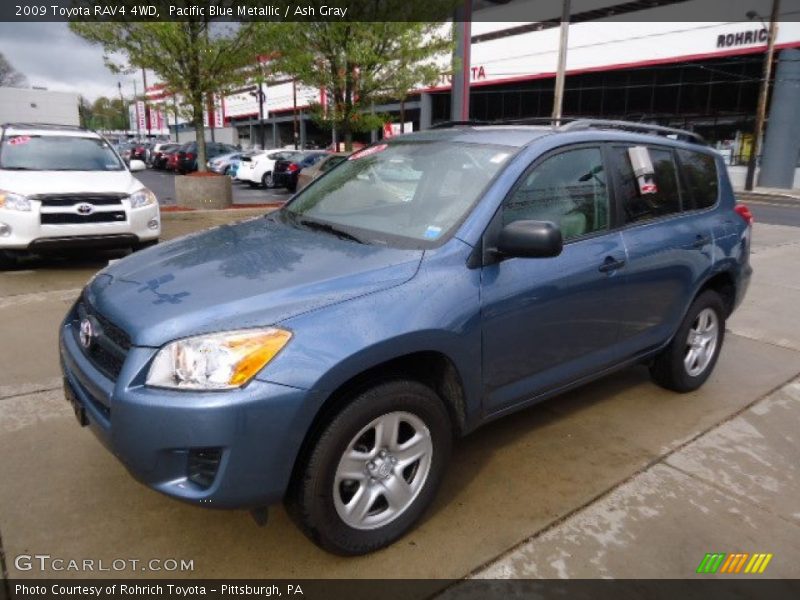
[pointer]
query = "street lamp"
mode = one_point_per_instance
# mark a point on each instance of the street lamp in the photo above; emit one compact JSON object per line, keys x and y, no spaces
{"x":761,"y":111}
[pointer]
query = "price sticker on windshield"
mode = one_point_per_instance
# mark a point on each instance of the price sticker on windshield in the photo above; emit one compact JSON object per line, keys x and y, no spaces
{"x":368,"y":151}
{"x":19,"y":140}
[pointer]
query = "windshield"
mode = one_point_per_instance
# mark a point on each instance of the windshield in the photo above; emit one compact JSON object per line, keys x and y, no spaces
{"x":408,"y":194}
{"x":57,"y":153}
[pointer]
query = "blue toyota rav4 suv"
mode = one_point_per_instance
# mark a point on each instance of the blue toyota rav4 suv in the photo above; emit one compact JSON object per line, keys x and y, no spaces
{"x":327,"y":354}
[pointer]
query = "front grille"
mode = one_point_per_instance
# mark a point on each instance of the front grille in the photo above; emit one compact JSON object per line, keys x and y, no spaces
{"x":115,"y":216}
{"x":110,"y":344}
{"x":203,"y":466}
{"x":73,"y":199}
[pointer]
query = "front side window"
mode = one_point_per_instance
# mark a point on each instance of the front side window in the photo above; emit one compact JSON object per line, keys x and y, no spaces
{"x":568,"y":189}
{"x":664,"y":200}
{"x":700,"y":172}
{"x":57,"y":153}
{"x":404,"y":194}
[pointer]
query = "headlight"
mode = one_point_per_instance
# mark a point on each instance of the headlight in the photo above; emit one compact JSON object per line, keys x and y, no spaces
{"x":12,"y":201}
{"x":143,"y":197}
{"x":217,"y":361}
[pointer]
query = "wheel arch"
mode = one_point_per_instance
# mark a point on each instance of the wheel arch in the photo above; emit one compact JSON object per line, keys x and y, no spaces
{"x":724,"y":284}
{"x":429,"y":367}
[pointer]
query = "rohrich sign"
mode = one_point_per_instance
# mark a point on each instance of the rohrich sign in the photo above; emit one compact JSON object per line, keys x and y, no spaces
{"x":742,"y":38}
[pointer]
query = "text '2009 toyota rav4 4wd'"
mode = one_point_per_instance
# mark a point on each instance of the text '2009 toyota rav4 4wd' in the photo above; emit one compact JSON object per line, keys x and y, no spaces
{"x":65,"y":187}
{"x":327,"y":354}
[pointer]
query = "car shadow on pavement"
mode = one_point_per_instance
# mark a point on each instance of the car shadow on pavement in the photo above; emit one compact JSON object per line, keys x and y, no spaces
{"x":70,"y":260}
{"x":542,"y":439}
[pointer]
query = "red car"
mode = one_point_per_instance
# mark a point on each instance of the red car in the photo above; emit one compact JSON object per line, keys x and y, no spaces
{"x":172,"y":160}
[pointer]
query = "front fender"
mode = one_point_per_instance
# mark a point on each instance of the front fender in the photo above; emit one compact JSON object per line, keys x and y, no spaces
{"x":437,"y":311}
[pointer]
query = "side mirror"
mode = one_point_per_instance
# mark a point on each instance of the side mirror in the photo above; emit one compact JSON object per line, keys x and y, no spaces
{"x":530,"y":239}
{"x":137,"y":165}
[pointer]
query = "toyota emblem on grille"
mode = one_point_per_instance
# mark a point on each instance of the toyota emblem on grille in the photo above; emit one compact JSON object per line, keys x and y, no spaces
{"x":85,"y":209}
{"x":86,"y":333}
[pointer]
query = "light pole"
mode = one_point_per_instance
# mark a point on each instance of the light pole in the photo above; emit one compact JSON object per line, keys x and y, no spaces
{"x":460,"y":87}
{"x":122,"y":100}
{"x":761,"y":110}
{"x":558,"y":95}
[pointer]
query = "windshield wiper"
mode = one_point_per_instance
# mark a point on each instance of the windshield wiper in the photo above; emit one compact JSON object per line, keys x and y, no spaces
{"x":17,"y":169}
{"x":327,"y":228}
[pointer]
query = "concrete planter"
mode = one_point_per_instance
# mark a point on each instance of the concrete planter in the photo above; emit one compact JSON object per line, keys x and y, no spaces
{"x":213,"y":191}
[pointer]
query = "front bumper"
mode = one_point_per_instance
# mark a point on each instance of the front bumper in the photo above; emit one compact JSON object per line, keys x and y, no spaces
{"x":28,"y":232}
{"x":257,"y":431}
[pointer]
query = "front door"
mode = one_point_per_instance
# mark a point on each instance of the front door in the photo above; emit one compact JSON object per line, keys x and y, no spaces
{"x":550,"y":321}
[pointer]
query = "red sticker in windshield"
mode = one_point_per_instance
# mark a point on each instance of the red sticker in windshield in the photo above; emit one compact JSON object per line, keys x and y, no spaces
{"x":19,"y":140}
{"x":368,"y":151}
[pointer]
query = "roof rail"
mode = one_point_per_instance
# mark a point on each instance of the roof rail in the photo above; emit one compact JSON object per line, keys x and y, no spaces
{"x":444,"y":124}
{"x":680,"y":134}
{"x":43,"y":126}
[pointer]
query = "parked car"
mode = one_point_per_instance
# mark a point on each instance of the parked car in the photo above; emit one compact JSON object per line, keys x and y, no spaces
{"x":287,"y":170}
{"x":221,"y":164}
{"x":141,"y":151}
{"x":233,"y":168}
{"x":158,"y":158}
{"x":186,"y":161}
{"x":257,"y":168}
{"x":327,"y":354}
{"x":124,"y":150}
{"x":65,"y":187}
{"x":171,"y":159}
{"x":325,"y":164}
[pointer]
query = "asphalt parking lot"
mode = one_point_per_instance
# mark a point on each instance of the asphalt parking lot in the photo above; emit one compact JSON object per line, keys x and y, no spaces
{"x":520,"y":491}
{"x":162,"y":183}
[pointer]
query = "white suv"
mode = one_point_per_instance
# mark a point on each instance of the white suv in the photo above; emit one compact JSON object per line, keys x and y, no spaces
{"x":64,"y":187}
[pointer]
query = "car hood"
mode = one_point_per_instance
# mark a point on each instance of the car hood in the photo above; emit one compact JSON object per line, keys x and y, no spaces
{"x":30,"y":183}
{"x":254,"y":273}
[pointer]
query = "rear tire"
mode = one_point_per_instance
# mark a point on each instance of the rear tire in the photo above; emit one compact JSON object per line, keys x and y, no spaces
{"x":373,"y":470}
{"x":687,"y":362}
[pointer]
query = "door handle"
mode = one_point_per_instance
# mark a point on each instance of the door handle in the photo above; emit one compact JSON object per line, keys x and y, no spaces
{"x":611,"y":264}
{"x":701,"y":240}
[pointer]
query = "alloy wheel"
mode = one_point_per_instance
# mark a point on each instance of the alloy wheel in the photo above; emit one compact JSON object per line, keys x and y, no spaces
{"x":701,"y":342}
{"x":382,"y":470}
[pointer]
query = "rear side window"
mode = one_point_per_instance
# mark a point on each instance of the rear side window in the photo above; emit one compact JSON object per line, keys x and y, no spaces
{"x":568,"y":189}
{"x":644,"y":207}
{"x":700,"y":175}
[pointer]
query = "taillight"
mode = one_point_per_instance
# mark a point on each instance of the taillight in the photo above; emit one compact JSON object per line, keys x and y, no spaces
{"x":189,"y":156}
{"x":744,"y":212}
{"x":292,"y":168}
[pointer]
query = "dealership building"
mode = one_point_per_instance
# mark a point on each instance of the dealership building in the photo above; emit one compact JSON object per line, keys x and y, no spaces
{"x":640,"y":60}
{"x":34,"y":105}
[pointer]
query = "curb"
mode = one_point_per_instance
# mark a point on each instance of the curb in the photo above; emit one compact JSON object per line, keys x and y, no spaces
{"x":784,"y":199}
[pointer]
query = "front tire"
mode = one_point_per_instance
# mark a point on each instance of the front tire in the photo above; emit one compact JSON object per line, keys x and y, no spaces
{"x":267,"y":180}
{"x":688,"y":361}
{"x":374,"y":469}
{"x":8,"y":259}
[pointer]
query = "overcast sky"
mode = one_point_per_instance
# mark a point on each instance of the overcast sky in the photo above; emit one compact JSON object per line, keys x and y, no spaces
{"x":51,"y":56}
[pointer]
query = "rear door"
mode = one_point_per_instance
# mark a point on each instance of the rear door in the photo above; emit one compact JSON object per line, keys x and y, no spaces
{"x":550,"y":321}
{"x":669,"y":249}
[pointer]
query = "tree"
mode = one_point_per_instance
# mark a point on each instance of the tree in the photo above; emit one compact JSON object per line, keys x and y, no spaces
{"x":105,"y":114}
{"x":358,"y":63}
{"x":192,"y":58}
{"x":9,"y":76}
